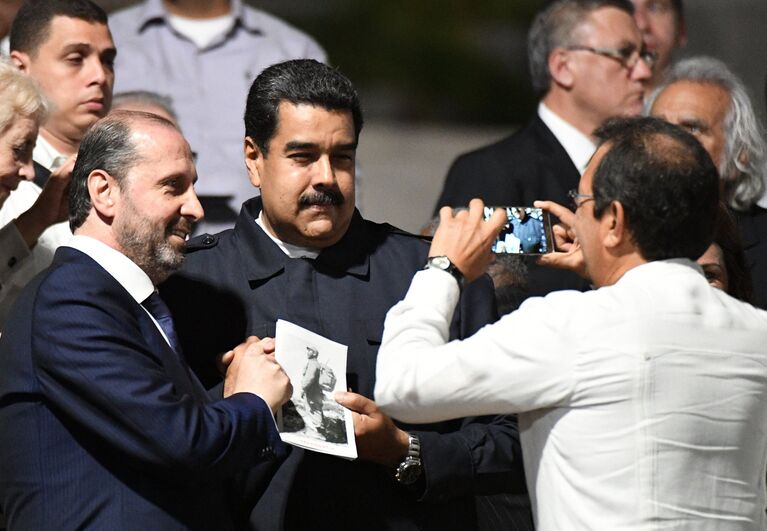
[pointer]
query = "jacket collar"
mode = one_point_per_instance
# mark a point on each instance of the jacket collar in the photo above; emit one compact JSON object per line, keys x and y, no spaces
{"x":263,"y":259}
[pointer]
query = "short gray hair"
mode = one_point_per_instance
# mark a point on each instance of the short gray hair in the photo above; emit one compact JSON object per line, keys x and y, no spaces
{"x":744,"y":160}
{"x":142,"y":99}
{"x":556,"y":27}
{"x":19,"y":96}
{"x":107,"y":146}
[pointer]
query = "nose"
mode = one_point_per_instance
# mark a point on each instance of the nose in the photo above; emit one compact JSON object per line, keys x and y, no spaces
{"x":324,"y":174}
{"x":99,"y":72}
{"x":27,"y":171}
{"x":191,"y":208}
{"x":642,"y":71}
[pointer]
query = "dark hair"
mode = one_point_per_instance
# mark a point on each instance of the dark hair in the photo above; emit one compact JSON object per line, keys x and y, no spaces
{"x":727,"y":237}
{"x":299,"y":81}
{"x":665,"y":181}
{"x":106,"y":146}
{"x":555,"y":27}
{"x":678,"y":7}
{"x":31,"y":27}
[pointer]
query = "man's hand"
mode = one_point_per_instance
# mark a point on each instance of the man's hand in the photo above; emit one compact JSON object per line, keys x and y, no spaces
{"x":465,"y":238}
{"x":252,"y":368}
{"x":51,"y":207}
{"x":378,"y":439}
{"x":568,"y":253}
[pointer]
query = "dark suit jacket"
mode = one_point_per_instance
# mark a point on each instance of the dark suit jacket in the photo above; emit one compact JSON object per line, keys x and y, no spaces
{"x":41,"y":174}
{"x":240,"y":282}
{"x":753,"y":231}
{"x":531,"y":164}
{"x":103,"y":425}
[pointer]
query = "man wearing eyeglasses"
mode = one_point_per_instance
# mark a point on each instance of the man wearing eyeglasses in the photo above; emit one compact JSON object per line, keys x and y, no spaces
{"x":641,"y":404}
{"x":588,"y":64}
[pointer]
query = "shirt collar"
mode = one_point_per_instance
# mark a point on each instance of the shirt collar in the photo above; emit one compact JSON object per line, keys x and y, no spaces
{"x":350,"y":255}
{"x":578,"y":146}
{"x":129,"y":275}
{"x":46,"y":155}
{"x":293,"y":251}
{"x":154,"y":10}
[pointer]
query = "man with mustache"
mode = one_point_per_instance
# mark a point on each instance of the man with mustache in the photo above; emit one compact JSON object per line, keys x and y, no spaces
{"x":302,"y":252}
{"x":104,"y":425}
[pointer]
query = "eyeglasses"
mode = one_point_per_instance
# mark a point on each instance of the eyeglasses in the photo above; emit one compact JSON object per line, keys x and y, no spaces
{"x":577,"y":200}
{"x":628,"y":57}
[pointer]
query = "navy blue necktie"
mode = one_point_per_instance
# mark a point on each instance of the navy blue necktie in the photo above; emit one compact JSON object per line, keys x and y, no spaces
{"x":155,"y":305}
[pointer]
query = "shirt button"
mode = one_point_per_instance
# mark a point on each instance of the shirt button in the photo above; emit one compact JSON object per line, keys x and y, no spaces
{"x":12,"y":261}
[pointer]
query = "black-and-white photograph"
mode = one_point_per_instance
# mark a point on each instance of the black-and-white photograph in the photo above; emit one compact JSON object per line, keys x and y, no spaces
{"x":312,"y":418}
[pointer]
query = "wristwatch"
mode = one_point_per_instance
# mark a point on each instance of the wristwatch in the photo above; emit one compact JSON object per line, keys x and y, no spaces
{"x":411,"y":468}
{"x":443,"y":263}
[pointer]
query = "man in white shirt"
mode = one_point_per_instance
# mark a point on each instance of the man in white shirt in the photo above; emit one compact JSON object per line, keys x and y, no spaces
{"x":641,"y":403}
{"x":66,"y":47}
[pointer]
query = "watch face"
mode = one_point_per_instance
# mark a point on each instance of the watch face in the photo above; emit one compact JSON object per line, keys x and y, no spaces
{"x":409,"y":471}
{"x":441,"y":262}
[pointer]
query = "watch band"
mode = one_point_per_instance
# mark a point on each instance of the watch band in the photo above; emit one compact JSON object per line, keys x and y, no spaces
{"x":410,"y":469}
{"x":443,"y":263}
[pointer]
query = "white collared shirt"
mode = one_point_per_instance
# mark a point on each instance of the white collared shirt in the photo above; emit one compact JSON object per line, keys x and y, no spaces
{"x":293,"y":251}
{"x":578,"y":146}
{"x":641,"y":405}
{"x":46,"y":155}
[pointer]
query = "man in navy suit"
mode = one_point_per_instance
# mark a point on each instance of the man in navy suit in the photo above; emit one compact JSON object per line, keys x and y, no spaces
{"x":587,"y":64}
{"x":103,"y":424}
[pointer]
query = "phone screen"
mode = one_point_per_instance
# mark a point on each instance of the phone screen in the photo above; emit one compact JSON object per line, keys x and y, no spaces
{"x":527,"y":231}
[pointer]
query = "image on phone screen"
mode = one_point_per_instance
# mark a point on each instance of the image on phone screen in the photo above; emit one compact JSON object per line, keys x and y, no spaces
{"x":527,"y":231}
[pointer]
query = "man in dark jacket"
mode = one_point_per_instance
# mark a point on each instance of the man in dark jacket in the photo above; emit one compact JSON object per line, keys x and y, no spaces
{"x":302,"y":252}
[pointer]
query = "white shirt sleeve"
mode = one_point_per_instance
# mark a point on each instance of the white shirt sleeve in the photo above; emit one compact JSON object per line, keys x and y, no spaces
{"x":520,"y":363}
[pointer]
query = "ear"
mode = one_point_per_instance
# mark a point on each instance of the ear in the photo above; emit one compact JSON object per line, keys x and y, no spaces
{"x":254,"y":161}
{"x":104,"y":193}
{"x":21,"y":60}
{"x":560,"y":68}
{"x":614,"y":227}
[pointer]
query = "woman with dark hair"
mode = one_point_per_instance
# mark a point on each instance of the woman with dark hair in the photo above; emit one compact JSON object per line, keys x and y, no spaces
{"x":724,"y":262}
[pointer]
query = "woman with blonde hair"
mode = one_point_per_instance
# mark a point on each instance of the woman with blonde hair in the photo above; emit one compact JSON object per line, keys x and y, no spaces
{"x":22,"y":110}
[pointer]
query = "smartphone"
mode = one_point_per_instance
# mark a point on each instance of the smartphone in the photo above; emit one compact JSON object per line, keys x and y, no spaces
{"x":527,"y":231}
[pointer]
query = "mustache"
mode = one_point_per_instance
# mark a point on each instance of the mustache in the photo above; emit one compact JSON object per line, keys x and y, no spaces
{"x":321,"y":197}
{"x":182,"y":224}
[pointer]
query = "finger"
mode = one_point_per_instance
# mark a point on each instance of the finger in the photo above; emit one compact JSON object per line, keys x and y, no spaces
{"x":268,"y":344}
{"x":356,"y":402}
{"x":445,"y":215}
{"x":252,"y":339}
{"x":496,"y":222}
{"x":226,"y":358}
{"x":476,"y":210}
{"x":564,"y":214}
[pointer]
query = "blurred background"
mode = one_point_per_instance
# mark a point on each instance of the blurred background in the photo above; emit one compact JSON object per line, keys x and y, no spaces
{"x":440,"y":77}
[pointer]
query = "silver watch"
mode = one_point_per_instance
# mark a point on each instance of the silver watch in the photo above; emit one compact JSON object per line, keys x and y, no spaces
{"x":411,"y":468}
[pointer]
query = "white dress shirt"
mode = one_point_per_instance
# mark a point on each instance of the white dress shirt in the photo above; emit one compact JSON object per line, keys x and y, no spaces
{"x":642,"y":405}
{"x":578,"y":146}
